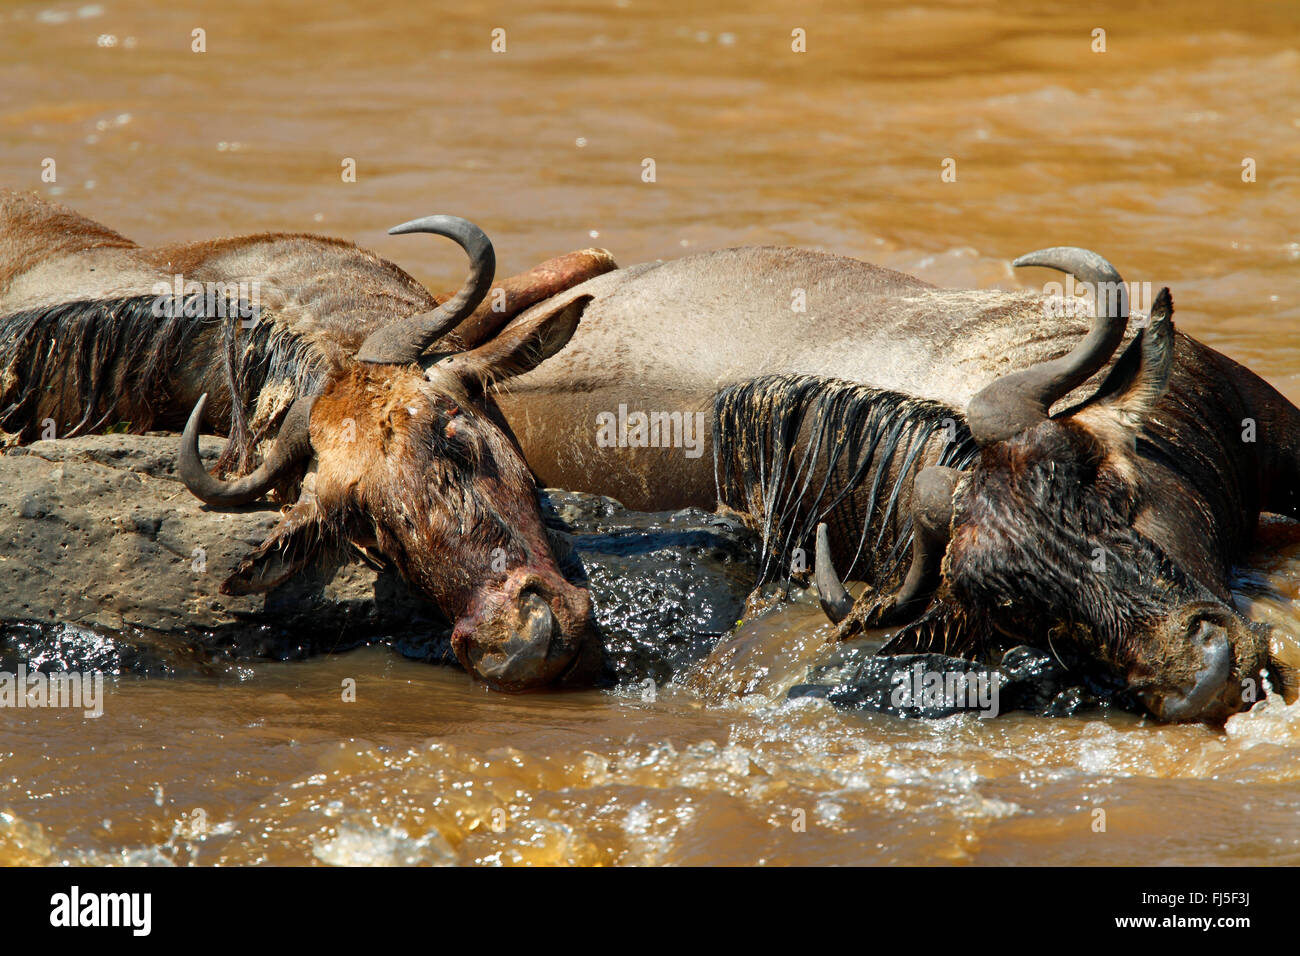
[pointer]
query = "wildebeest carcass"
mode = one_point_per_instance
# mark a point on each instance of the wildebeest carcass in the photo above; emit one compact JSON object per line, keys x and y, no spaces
{"x":915,"y":420}
{"x":316,"y":351}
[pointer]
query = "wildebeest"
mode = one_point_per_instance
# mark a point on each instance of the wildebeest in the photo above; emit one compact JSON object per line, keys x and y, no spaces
{"x":846,"y":394}
{"x":320,"y":346}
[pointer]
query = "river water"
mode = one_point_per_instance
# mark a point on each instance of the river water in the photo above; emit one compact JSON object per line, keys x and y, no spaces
{"x":1137,"y":152}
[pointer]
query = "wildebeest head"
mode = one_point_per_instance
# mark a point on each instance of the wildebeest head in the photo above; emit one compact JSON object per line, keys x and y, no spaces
{"x":1058,"y":535}
{"x":408,"y":459}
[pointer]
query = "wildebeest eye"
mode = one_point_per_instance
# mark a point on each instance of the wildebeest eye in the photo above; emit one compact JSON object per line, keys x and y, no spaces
{"x":451,"y":436}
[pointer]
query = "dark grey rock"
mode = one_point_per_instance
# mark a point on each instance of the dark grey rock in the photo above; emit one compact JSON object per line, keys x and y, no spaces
{"x":923,"y":685}
{"x":665,"y":585}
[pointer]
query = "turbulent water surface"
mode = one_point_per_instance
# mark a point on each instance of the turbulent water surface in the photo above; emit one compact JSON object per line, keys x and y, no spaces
{"x":1137,"y":152}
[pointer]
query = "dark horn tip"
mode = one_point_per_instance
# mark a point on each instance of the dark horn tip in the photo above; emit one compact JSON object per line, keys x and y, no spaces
{"x":834,"y":599}
{"x":1028,"y":259}
{"x":416,"y":225}
{"x":199,"y":406}
{"x":452,"y":227}
{"x":1043,"y":257}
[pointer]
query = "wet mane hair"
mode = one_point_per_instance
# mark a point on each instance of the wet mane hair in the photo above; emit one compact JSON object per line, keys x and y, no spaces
{"x":773,"y":436}
{"x":92,"y":364}
{"x":92,"y":358}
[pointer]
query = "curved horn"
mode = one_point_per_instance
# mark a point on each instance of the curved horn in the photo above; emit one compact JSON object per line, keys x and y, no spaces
{"x":931,"y":529}
{"x":835,"y":600}
{"x":1022,"y":399}
{"x":932,"y":491}
{"x":291,"y":446}
{"x":404,"y":341}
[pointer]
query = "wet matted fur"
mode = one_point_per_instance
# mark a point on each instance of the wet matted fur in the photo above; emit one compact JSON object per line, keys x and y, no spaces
{"x":794,"y":450}
{"x":93,"y":364}
{"x":86,"y":365}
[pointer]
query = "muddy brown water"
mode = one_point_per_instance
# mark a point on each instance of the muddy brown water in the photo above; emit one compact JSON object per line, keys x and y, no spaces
{"x":1137,"y":152}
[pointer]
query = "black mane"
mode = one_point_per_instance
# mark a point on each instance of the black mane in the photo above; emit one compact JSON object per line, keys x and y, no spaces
{"x":864,"y":442}
{"x":92,"y":364}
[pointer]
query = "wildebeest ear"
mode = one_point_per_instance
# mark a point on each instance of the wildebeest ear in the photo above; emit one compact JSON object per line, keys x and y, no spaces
{"x":520,"y":347}
{"x":292,"y":543}
{"x":1140,"y":377}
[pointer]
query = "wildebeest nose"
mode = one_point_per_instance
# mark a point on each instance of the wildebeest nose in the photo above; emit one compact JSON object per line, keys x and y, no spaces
{"x":521,"y":655}
{"x":1195,"y":703}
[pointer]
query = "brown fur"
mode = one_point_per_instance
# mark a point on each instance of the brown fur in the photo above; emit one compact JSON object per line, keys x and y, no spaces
{"x":412,"y":464}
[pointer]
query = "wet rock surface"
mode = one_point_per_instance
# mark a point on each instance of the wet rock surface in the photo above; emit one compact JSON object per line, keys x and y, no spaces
{"x":107,"y":562}
{"x":99,"y":537}
{"x":666,"y":585}
{"x":935,"y":685}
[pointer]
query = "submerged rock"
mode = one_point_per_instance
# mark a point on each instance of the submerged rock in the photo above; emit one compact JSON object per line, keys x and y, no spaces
{"x":666,"y":585}
{"x":936,"y":685}
{"x":108,"y":562}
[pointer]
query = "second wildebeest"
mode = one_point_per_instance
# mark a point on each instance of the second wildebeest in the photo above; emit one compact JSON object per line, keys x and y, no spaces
{"x":916,"y":420}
